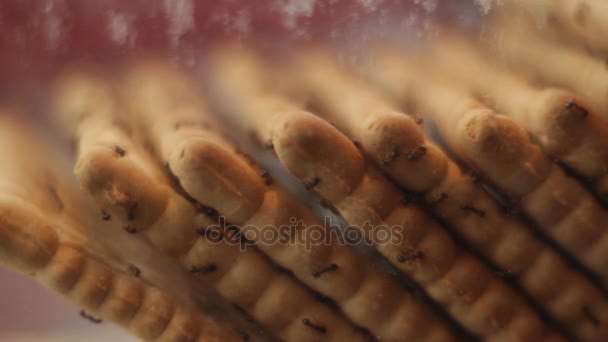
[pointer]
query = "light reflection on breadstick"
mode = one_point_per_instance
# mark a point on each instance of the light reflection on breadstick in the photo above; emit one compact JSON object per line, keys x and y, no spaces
{"x":174,"y":225}
{"x":516,"y":174}
{"x":312,"y":149}
{"x":206,"y":166}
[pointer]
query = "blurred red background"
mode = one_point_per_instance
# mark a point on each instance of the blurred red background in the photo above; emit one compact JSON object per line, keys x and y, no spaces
{"x":37,"y":36}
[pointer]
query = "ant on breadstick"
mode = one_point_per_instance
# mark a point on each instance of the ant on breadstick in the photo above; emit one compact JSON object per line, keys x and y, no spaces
{"x":549,"y":62}
{"x":562,"y":123}
{"x":170,"y":222}
{"x":213,"y":174}
{"x":46,"y":232}
{"x":313,"y":150}
{"x":395,"y":73}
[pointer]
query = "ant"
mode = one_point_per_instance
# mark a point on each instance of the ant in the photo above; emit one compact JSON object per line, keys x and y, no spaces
{"x":90,"y":317}
{"x":321,"y":329}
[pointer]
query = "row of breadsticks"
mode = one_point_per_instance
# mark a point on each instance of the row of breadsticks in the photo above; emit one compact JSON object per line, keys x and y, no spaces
{"x":397,"y":146}
{"x":209,"y":174}
{"x":158,"y":166}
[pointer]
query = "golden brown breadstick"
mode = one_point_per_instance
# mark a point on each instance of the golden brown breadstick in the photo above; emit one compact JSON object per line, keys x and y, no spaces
{"x":369,"y":119}
{"x":313,"y":150}
{"x":502,"y":239}
{"x":585,"y":20}
{"x":562,"y":123}
{"x":553,"y":64}
{"x":39,"y":237}
{"x":215,"y":176}
{"x":466,"y":205}
{"x":192,"y":235}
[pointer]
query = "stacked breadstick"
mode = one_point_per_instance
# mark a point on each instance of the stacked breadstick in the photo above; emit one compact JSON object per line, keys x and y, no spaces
{"x":46,"y":231}
{"x":447,"y":191}
{"x":551,"y":63}
{"x":565,"y":126}
{"x":477,"y":135}
{"x":461,"y":283}
{"x":212,"y":174}
{"x":128,"y":184}
{"x":178,"y":235}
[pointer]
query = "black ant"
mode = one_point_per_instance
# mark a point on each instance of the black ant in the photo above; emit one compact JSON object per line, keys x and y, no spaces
{"x":267,"y":178}
{"x":330,"y":268}
{"x":135,"y":271}
{"x":441,"y":198}
{"x":130,"y":229}
{"x":105,"y":216}
{"x":319,"y":328}
{"x":415,"y":256}
{"x":392,"y":156}
{"x":418,"y":153}
{"x":315,"y":181}
{"x":131,"y":206}
{"x":210,"y":212}
{"x":472,"y":209}
{"x":120,"y":151}
{"x":269,"y":145}
{"x":575,"y":106}
{"x":209,"y":268}
{"x":90,"y":317}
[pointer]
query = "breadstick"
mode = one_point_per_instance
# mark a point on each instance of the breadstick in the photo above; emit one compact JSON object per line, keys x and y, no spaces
{"x":562,"y":123}
{"x":551,"y":63}
{"x":509,"y":244}
{"x":468,"y":208}
{"x":586,"y":20}
{"x":370,"y":120}
{"x":181,"y":230}
{"x":40,"y":238}
{"x":312,"y":149}
{"x":67,"y":268}
{"x":207,"y":167}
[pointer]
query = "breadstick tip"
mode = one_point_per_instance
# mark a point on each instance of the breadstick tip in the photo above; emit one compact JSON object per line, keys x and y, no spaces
{"x":318,"y":153}
{"x":217,"y":178}
{"x":493,"y":135}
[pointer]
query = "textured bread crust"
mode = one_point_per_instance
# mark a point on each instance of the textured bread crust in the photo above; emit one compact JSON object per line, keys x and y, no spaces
{"x":110,"y":294}
{"x":206,"y":165}
{"x":458,"y":281}
{"x":384,"y":134}
{"x":562,"y":123}
{"x":312,"y":149}
{"x":40,"y":238}
{"x":193,"y":235}
{"x":501,"y":238}
{"x":549,"y":61}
